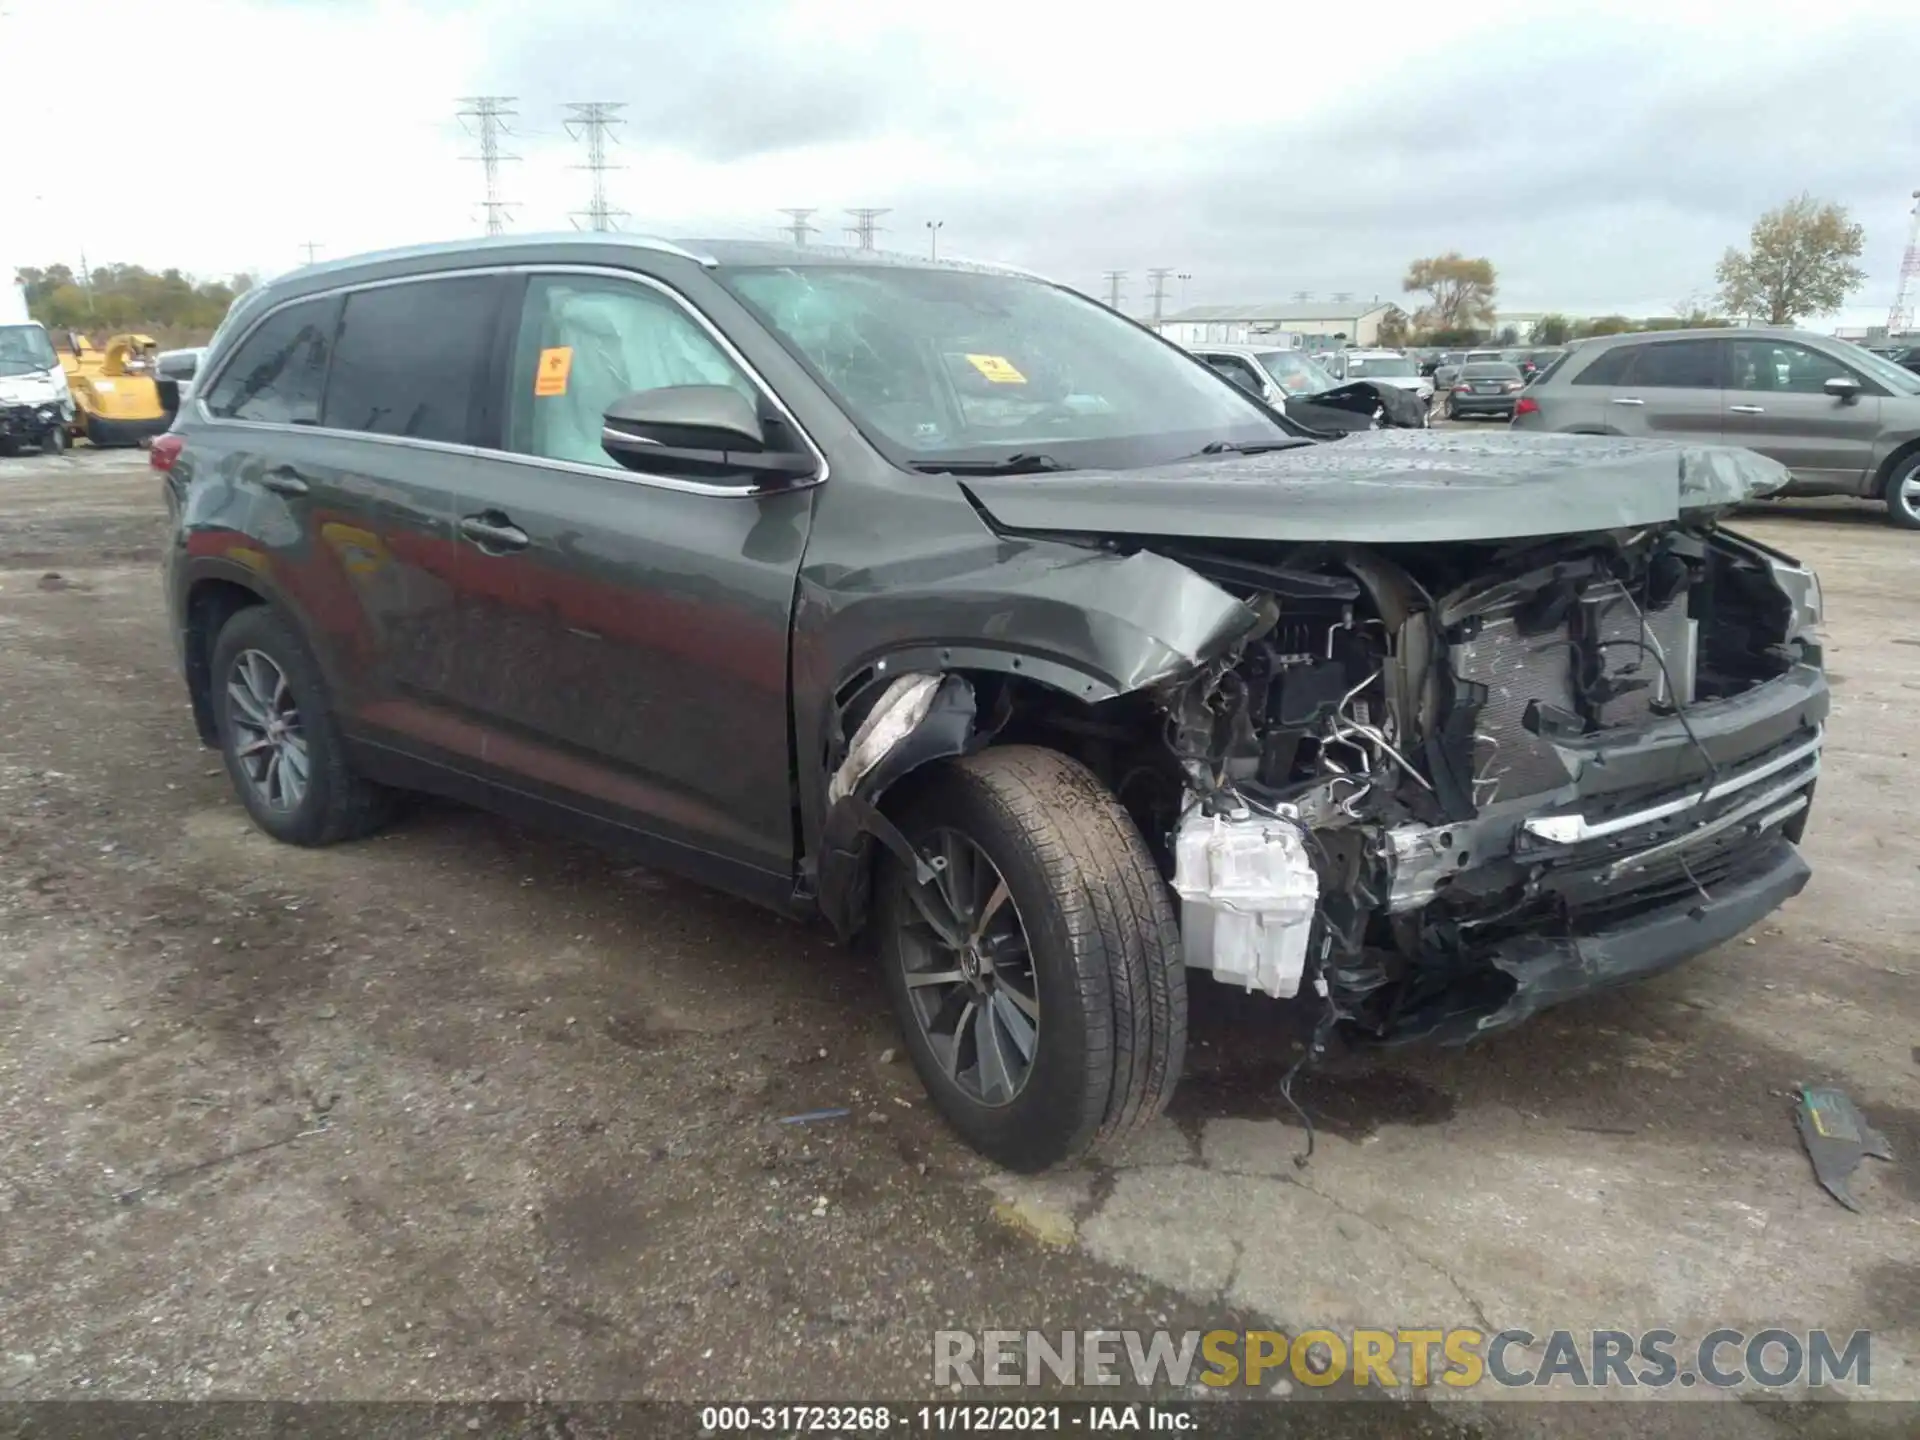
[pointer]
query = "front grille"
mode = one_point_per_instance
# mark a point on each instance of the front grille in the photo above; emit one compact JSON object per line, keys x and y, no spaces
{"x":1516,"y":669}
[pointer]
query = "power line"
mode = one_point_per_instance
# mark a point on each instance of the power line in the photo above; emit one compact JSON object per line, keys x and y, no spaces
{"x":593,"y":121}
{"x":863,"y":229}
{"x":1159,"y":277}
{"x":797,"y":229}
{"x":1900,"y":318}
{"x":490,"y":114}
{"x":1114,"y":279}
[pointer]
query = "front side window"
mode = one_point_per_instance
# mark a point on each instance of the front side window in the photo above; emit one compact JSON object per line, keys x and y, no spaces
{"x":949,"y":366}
{"x":1783,"y":367}
{"x":409,"y":359}
{"x":1236,"y":370}
{"x":586,"y":341}
{"x":277,"y":375}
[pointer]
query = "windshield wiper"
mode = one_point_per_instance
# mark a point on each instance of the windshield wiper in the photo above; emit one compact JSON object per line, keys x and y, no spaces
{"x":1256,"y":447}
{"x":1020,"y":464}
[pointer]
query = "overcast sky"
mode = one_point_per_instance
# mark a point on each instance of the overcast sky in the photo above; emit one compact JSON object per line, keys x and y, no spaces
{"x":1601,"y":155}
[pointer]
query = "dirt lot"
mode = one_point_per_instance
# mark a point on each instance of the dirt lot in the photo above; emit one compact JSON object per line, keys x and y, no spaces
{"x":466,"y":1111}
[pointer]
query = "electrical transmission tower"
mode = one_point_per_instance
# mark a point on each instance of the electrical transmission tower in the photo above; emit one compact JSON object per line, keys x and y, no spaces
{"x":863,"y":229}
{"x":1341,"y":297}
{"x":593,"y":121}
{"x":1159,"y":278}
{"x":797,"y":229}
{"x":1300,"y":297}
{"x":1115,"y":279}
{"x":312,"y":247}
{"x":489,"y":114}
{"x":1900,"y":318}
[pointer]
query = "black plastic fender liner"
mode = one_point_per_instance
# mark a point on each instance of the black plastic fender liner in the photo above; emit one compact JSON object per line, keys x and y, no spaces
{"x":949,"y":728}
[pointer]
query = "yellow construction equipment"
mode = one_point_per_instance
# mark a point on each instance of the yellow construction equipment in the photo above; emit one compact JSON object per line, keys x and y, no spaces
{"x":116,"y":394}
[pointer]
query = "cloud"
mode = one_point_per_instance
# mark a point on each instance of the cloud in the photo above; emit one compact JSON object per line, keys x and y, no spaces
{"x":1602,"y":157}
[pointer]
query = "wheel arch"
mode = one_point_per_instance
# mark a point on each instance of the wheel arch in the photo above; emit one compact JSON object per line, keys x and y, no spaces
{"x":950,"y":701}
{"x":213,"y":597}
{"x":1898,"y":456}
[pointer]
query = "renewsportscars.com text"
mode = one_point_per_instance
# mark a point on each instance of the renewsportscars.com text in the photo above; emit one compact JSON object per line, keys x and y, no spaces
{"x":1463,"y":1359}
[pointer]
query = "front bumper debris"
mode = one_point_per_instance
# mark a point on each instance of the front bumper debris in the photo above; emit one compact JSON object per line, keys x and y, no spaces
{"x":1544,"y":970}
{"x":31,"y":423}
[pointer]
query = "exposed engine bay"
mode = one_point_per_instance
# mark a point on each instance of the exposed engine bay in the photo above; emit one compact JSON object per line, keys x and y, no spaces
{"x":1431,"y":780}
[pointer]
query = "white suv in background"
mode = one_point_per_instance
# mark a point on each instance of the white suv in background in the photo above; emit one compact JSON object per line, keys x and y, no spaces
{"x":1388,"y":367}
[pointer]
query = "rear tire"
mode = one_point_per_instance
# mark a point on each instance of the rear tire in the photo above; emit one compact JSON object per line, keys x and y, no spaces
{"x":277,"y":735}
{"x":1902,"y":493}
{"x":1097,"y":954}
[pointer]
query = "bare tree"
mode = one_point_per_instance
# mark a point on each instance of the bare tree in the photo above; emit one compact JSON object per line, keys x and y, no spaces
{"x":1799,"y":263}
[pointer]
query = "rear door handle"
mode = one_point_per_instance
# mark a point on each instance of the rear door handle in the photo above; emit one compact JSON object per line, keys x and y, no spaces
{"x":1746,"y":409}
{"x":284,"y":480}
{"x":493,"y":532}
{"x":1627,"y":400}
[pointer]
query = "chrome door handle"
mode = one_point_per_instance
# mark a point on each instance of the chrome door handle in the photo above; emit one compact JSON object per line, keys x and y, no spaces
{"x":493,"y":532}
{"x":1627,"y":400}
{"x":1746,"y":409}
{"x":284,"y":480}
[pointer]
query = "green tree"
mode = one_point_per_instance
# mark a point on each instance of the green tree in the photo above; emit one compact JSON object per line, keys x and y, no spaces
{"x":1459,"y":291}
{"x":1799,"y":262}
{"x":1552,"y":330}
{"x":1607,"y":325}
{"x":128,"y":297}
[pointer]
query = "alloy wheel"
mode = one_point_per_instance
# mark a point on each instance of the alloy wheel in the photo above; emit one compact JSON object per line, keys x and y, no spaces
{"x":969,"y":972}
{"x":1907,"y":496}
{"x":269,"y":741}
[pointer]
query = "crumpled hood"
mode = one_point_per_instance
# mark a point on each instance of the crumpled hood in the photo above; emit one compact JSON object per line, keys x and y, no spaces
{"x":1393,"y":486}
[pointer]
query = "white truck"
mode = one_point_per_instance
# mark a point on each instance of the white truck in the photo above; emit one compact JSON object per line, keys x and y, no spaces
{"x":36,"y":406}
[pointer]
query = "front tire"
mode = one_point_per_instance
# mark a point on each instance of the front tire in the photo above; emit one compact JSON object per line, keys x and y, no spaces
{"x":277,"y":735}
{"x":1038,"y":981}
{"x":1903,"y":494}
{"x":55,"y":442}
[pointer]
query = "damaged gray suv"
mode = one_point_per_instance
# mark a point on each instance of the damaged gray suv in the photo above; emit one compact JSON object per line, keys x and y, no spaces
{"x":949,"y":606}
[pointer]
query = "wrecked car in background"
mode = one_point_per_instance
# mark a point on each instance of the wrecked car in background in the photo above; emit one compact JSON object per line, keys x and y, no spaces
{"x":1031,"y":653}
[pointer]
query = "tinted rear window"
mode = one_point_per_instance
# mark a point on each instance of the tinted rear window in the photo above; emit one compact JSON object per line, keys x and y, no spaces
{"x":410,"y":358}
{"x":1677,"y":365}
{"x":1490,"y":372}
{"x":280,"y":369}
{"x":1608,"y":368}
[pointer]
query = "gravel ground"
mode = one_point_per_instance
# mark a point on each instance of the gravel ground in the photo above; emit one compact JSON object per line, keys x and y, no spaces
{"x":465,"y":1111}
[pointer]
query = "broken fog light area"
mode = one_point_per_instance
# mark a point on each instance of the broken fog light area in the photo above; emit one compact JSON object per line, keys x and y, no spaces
{"x":1248,"y":892}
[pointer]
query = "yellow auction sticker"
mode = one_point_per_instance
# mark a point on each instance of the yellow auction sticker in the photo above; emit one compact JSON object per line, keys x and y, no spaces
{"x":551,"y":377}
{"x":997,"y":368}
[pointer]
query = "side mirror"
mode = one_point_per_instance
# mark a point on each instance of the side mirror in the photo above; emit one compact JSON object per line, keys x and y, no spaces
{"x":1843,"y":388}
{"x":699,"y":432}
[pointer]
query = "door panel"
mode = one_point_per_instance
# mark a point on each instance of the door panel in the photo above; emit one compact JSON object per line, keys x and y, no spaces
{"x":1670,"y":391}
{"x":352,"y":535}
{"x":1776,"y":404}
{"x":630,"y":657}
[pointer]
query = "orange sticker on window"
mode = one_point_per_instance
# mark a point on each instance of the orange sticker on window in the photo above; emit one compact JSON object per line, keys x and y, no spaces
{"x":997,"y":368}
{"x":551,"y":377}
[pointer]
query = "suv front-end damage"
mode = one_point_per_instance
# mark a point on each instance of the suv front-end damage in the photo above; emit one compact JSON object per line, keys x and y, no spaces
{"x":1483,"y":778}
{"x":1446,"y":759}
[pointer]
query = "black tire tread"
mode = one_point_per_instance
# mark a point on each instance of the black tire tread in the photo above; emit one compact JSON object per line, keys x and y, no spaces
{"x":1117,"y":909}
{"x":351,"y":807}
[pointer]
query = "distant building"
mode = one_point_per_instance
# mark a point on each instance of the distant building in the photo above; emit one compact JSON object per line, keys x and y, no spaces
{"x":1320,"y":327}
